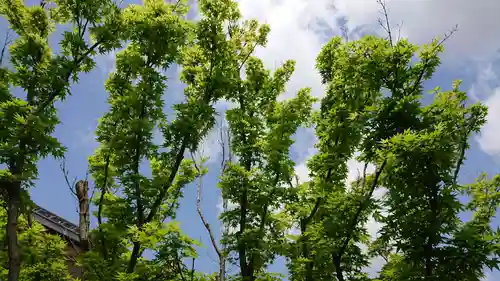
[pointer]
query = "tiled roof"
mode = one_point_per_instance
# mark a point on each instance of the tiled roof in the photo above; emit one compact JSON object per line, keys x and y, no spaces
{"x":56,"y":223}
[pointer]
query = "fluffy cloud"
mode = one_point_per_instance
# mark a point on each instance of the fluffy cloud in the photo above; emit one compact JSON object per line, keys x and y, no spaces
{"x":424,"y":19}
{"x":488,"y":139}
{"x":293,"y":24}
{"x":487,"y":89}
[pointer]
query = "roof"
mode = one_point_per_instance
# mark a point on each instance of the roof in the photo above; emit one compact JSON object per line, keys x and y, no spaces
{"x":56,"y":223}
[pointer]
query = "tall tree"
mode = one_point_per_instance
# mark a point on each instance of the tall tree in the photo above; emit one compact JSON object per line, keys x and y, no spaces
{"x":261,"y":130}
{"x":422,"y":220}
{"x":211,"y":53}
{"x":156,"y":32}
{"x":382,"y":108}
{"x":27,"y":123}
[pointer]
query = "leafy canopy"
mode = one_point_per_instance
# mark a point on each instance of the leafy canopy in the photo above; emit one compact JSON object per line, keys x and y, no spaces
{"x":372,"y":110}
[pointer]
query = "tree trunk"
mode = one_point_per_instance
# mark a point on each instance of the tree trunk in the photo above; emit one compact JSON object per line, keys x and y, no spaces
{"x":222,"y":269}
{"x":305,"y":251}
{"x":13,"y":206}
{"x":82,"y":188}
{"x":338,"y":268}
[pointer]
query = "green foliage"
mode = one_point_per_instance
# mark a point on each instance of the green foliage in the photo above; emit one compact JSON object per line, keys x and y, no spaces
{"x":372,"y":111}
{"x":261,"y":129}
{"x":417,"y":152}
{"x":44,"y":254}
{"x":28,"y":121}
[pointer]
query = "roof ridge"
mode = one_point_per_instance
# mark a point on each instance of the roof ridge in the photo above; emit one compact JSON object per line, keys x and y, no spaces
{"x":59,"y":221}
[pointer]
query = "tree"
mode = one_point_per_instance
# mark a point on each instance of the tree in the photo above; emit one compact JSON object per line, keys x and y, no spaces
{"x":381,"y":116}
{"x":28,"y":123}
{"x":211,"y":52}
{"x":156,"y":32}
{"x":428,"y":159}
{"x":261,"y":130}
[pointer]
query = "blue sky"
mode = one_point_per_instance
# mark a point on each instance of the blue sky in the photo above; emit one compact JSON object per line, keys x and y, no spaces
{"x":298,"y":29}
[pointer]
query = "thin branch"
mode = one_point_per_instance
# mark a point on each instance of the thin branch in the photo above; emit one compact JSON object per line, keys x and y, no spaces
{"x":93,"y":193}
{"x":387,"y":25}
{"x":179,"y":266}
{"x":66,"y":174}
{"x":177,"y":5}
{"x":338,"y":257}
{"x":222,"y":144}
{"x":426,"y":64}
{"x":71,"y":186}
{"x":7,"y":41}
{"x":220,"y":254}
{"x":399,"y":26}
{"x":225,"y":144}
{"x":198,"y":208}
{"x":345,"y":32}
{"x":361,"y":207}
{"x":192,"y":269}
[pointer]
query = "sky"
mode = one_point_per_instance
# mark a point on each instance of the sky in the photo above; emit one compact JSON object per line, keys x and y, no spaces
{"x":298,"y":30}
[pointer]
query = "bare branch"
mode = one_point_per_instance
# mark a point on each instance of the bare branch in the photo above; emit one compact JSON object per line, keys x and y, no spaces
{"x":66,"y":174}
{"x":448,"y":34}
{"x":399,"y":26}
{"x":225,"y":144}
{"x":6,"y":42}
{"x":386,"y":26}
{"x":345,"y":32}
{"x":220,"y":254}
{"x":230,"y":154}
{"x":222,"y":144}
{"x":424,"y":69}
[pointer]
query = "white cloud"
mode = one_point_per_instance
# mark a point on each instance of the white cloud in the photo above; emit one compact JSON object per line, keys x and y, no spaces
{"x":292,"y":36}
{"x":106,"y":63}
{"x":220,"y":208}
{"x":487,"y":89}
{"x":355,"y":169}
{"x":425,"y":19}
{"x":486,"y":78}
{"x":302,"y":172}
{"x":490,"y":133}
{"x":299,"y":28}
{"x":373,"y":228}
